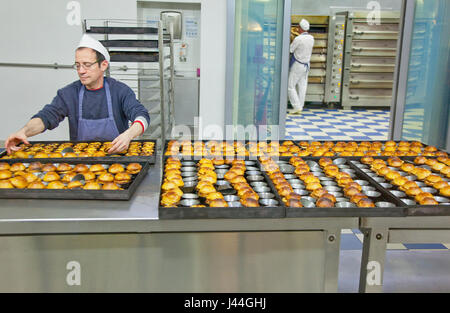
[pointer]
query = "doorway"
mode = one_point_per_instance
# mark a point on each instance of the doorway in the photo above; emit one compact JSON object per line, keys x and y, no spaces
{"x":352,"y":68}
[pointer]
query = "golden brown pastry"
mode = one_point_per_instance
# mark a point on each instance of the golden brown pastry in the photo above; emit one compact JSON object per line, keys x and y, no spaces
{"x":219,"y":203}
{"x":89,"y":176}
{"x":34,"y":167}
{"x":432,"y":179}
{"x":324,"y":203}
{"x":5,"y":174}
{"x":81,"y":168}
{"x":17,"y":167}
{"x":51,"y":176}
{"x":64,"y":168}
{"x":423,"y":195}
{"x":355,"y":185}
{"x":116,"y":168}
{"x":123,"y":178}
{"x":367,"y":160}
{"x":313,"y":186}
{"x":319,"y":192}
{"x":294,"y":203}
{"x":41,"y":155}
{"x":413,"y":191}
{"x":329,"y":196}
{"x":249,"y":202}
{"x":420,"y":160}
{"x":392,"y":175}
{"x":92,"y":186}
{"x":134,"y":168}
{"x":110,"y":186}
{"x":97,"y":168}
{"x":6,"y":184}
{"x":4,"y":166}
{"x":351,"y":191}
{"x":394,"y":162}
{"x":30,"y":177}
{"x":74,"y":184}
{"x":48,"y":168}
{"x":365,"y":203}
{"x":400,"y":181}
{"x":108,"y":177}
{"x":407,"y":167}
{"x":56,"y":185}
{"x":357,"y":197}
{"x":36,"y":185}
{"x":445,"y":191}
{"x":440,"y":184}
{"x":421,"y":173}
{"x":428,"y":201}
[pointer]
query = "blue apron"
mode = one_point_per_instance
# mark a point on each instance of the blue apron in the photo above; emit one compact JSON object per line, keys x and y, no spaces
{"x":96,"y":130}
{"x":293,"y":59}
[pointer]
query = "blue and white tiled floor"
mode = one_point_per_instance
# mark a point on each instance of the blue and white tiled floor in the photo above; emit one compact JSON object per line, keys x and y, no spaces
{"x":358,"y":125}
{"x":334,"y":124}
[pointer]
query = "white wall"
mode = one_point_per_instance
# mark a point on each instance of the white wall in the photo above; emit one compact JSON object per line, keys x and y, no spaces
{"x":213,"y":62}
{"x":37,"y":32}
{"x":150,"y":11}
{"x":212,"y":59}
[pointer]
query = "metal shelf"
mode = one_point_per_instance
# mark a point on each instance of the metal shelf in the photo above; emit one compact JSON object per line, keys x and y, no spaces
{"x":155,"y":90}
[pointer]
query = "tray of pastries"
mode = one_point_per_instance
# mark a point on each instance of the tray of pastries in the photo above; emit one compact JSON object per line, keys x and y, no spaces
{"x":366,"y":148}
{"x":77,"y":180}
{"x":423,"y":184}
{"x":46,"y":151}
{"x":229,"y":149}
{"x":216,"y":188}
{"x":327,"y":187}
{"x":288,"y":148}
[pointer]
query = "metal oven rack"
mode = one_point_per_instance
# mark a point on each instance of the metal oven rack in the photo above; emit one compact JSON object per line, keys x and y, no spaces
{"x":370,"y":55}
{"x":325,"y":76}
{"x":151,"y":49}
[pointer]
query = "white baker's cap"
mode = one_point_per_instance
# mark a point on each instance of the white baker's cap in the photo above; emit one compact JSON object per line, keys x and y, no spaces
{"x":304,"y":24}
{"x":89,"y":42}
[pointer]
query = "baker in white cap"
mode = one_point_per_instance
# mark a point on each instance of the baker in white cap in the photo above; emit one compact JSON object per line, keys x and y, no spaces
{"x":301,"y":50}
{"x":98,"y":108}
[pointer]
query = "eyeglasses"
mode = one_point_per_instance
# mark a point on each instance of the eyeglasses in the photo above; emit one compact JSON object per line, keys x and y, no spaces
{"x":86,"y":65}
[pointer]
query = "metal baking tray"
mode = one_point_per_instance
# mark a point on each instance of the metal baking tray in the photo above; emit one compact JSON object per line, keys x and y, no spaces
{"x":397,"y":208}
{"x":78,"y":194}
{"x":249,"y":157}
{"x":297,"y":142}
{"x":185,"y":212}
{"x":412,"y":208}
{"x":150,"y":159}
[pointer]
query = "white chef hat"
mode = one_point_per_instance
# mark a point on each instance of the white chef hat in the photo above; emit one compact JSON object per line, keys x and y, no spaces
{"x":89,"y":42}
{"x":304,"y":24}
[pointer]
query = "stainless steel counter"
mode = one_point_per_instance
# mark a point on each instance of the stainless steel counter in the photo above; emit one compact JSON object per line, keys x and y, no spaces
{"x":90,"y":246}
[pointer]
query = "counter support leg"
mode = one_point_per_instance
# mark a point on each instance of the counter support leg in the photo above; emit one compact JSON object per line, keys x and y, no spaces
{"x":372,"y":261}
{"x":332,"y":243}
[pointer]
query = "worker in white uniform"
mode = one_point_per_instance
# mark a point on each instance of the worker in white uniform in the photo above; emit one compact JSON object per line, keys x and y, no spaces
{"x":301,"y":50}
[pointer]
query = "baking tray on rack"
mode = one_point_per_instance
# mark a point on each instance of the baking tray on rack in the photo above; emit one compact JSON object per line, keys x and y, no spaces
{"x":250,"y":156}
{"x":297,"y":142}
{"x":150,"y":159}
{"x":412,"y":208}
{"x":78,"y":194}
{"x":235,"y":208}
{"x":397,"y":209}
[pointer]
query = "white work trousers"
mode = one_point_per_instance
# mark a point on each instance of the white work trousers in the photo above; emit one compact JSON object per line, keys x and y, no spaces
{"x":298,"y":79}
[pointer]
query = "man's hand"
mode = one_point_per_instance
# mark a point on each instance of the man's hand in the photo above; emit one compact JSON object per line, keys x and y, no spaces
{"x":14,"y":139}
{"x":120,"y":143}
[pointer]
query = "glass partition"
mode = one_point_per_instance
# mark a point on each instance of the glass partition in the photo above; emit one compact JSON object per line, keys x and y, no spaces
{"x":427,"y":113}
{"x":257,"y":62}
